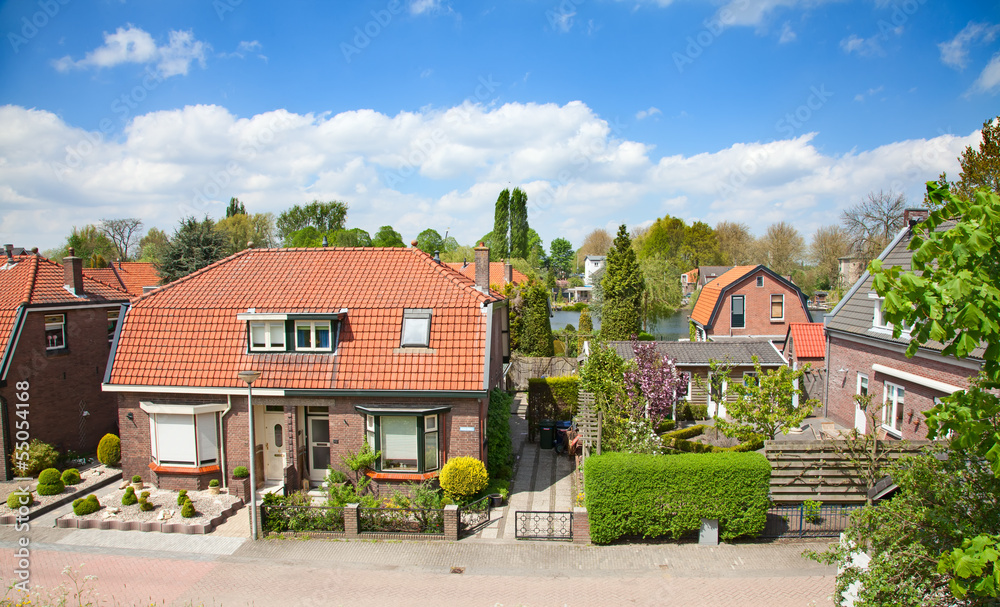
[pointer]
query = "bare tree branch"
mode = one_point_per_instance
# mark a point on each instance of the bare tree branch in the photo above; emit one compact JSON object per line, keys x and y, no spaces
{"x":124,"y":233}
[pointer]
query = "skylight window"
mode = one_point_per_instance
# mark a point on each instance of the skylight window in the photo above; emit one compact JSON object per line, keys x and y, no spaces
{"x":416,"y":329}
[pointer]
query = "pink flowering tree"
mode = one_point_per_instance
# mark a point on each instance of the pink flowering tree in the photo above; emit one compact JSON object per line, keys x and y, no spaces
{"x":653,"y":384}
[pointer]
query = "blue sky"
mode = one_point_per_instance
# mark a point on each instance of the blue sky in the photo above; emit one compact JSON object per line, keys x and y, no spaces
{"x":417,"y":112}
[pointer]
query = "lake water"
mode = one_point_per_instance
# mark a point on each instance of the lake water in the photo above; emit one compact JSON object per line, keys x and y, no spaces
{"x":672,"y":328}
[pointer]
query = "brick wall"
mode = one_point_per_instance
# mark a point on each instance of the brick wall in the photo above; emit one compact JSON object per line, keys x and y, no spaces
{"x":63,"y":383}
{"x":859,"y":357}
{"x":757,"y":306}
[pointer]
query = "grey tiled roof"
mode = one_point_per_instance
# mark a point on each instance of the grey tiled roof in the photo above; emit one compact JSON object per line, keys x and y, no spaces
{"x":700,"y":352}
{"x":855,"y":313}
{"x":704,"y":272}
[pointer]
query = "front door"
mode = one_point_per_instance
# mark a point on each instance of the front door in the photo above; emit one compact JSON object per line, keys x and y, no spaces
{"x":274,"y":444}
{"x":319,"y":448}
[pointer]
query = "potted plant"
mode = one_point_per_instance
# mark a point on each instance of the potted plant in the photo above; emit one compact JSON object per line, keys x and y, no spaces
{"x":213,"y":486}
{"x":137,"y":482}
{"x":240,"y":487}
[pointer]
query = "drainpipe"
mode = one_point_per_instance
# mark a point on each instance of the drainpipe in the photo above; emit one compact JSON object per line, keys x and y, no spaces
{"x":222,"y":441}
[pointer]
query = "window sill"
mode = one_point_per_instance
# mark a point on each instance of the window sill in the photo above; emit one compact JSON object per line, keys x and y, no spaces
{"x":182,"y":469}
{"x":893,"y":433}
{"x":400,"y":476}
{"x":777,"y":320}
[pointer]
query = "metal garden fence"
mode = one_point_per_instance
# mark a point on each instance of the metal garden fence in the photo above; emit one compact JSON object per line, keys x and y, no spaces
{"x":400,"y":520}
{"x":543,"y":525}
{"x":281,"y":518}
{"x":808,"y":520}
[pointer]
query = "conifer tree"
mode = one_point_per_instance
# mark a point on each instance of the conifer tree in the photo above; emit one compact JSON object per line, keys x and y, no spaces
{"x":623,"y":286}
{"x":501,"y":226}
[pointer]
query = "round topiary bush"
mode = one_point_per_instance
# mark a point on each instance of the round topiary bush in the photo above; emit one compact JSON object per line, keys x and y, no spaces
{"x":40,"y":456}
{"x":109,"y":450}
{"x":145,"y":505}
{"x":71,"y":476}
{"x":137,"y":479}
{"x":86,"y":505}
{"x":19,"y":498}
{"x":213,"y":483}
{"x":48,"y":476}
{"x":50,"y":488}
{"x":241,"y":472}
{"x":129,"y":499}
{"x":144,"y":495}
{"x":463,"y":476}
{"x":182,"y":496}
{"x":187,"y":510}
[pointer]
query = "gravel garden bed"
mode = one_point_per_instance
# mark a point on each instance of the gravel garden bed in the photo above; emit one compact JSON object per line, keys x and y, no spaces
{"x":211,"y":510}
{"x":91,"y":478}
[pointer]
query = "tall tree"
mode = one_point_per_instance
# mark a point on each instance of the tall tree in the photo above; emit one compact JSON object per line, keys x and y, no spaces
{"x":324,"y":216}
{"x":355,"y":237}
{"x":596,"y":243}
{"x":235,"y":208}
{"x":85,"y":241}
{"x":241,"y":229}
{"x":700,"y":246}
{"x":981,"y":168}
{"x":561,"y":255}
{"x":735,"y":243}
{"x":387,"y":237}
{"x":623,"y":287}
{"x":874,"y":222}
{"x":662,"y":294}
{"x":536,"y":337}
{"x":194,"y":245}
{"x":663,"y":239}
{"x":829,"y":243}
{"x":499,"y":241}
{"x":430,"y":241}
{"x":124,"y":233}
{"x":153,"y":244}
{"x":784,"y":247}
{"x":519,"y":224}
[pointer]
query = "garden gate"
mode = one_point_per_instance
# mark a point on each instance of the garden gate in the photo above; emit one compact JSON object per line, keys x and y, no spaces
{"x":543,"y":525}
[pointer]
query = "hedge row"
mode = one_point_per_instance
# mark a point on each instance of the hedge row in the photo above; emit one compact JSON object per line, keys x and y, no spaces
{"x":551,"y":398}
{"x":687,"y":411}
{"x":677,"y":440}
{"x":652,"y":496}
{"x":498,"y":440}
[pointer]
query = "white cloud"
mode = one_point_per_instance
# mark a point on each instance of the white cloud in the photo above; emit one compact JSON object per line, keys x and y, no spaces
{"x":419,"y":7}
{"x":562,"y":20}
{"x":787,"y":35}
{"x":989,"y":79}
{"x":869,"y":93}
{"x":433,"y":168}
{"x":246,"y":47}
{"x":427,"y":73}
{"x":955,"y":52}
{"x":643,"y":114}
{"x":868,"y":47}
{"x":131,"y":44}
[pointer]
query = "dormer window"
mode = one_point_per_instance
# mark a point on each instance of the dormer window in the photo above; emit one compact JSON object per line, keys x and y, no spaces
{"x":313,"y":335}
{"x":416,"y":331}
{"x":267,"y":336}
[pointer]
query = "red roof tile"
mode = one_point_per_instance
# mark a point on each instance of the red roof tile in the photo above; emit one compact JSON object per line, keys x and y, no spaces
{"x":692,"y":276}
{"x":809,"y":339}
{"x":496,"y":272}
{"x":702,"y":312}
{"x":187,"y":333}
{"x":130,"y":276}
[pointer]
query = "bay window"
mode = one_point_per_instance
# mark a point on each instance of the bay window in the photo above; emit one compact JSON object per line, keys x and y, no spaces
{"x":409,"y":439}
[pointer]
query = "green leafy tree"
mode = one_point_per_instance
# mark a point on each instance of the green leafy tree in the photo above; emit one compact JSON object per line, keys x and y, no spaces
{"x":519,"y":224}
{"x":623,"y":286}
{"x":561,"y":255}
{"x":536,"y":337}
{"x":387,"y":237}
{"x":981,"y":167}
{"x":763,"y":404}
{"x":429,"y":241}
{"x":235,"y":208}
{"x":355,"y":237}
{"x":662,"y":295}
{"x":499,"y":240}
{"x":241,"y":229}
{"x":596,"y":243}
{"x":153,"y":244}
{"x":85,"y":241}
{"x":324,"y":216}
{"x":510,"y":236}
{"x":194,"y":245}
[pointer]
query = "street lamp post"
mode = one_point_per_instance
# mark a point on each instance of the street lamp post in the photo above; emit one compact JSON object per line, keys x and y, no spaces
{"x":249,"y":377}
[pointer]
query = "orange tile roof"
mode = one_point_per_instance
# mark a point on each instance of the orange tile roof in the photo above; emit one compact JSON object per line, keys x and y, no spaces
{"x":809,"y":339}
{"x":692,"y":276}
{"x":710,"y":293}
{"x":130,"y":276}
{"x":33,"y":279}
{"x":187,"y":333}
{"x":496,"y":272}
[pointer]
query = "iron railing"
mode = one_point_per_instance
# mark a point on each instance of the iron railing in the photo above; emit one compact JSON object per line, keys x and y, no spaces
{"x":807,"y":521}
{"x":473,"y":516}
{"x":400,"y":520}
{"x":543,"y":525}
{"x":280,"y":518}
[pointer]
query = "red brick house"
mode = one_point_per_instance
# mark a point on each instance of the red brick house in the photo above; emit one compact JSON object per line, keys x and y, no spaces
{"x":133,"y":277}
{"x":689,"y":282}
{"x":864,"y":357}
{"x":384,"y":345}
{"x":748,"y":301}
{"x":55,"y":334}
{"x":805,"y":343}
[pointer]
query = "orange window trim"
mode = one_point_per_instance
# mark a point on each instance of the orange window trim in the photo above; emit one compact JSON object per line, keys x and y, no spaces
{"x":182,"y":469}
{"x":400,"y":476}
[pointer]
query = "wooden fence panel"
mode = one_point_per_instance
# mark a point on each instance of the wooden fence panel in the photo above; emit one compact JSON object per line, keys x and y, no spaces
{"x":524,"y":368}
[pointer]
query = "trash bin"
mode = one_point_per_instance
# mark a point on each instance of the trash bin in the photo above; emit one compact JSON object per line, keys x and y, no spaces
{"x":546,"y":434}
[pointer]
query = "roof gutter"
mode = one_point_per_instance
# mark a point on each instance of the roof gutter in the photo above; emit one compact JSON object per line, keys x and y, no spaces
{"x":122,"y":314}
{"x":15,"y":336}
{"x":389,"y":393}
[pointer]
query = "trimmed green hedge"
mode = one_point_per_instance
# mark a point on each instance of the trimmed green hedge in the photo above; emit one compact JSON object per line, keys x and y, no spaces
{"x":554,"y":398}
{"x":655,"y":496}
{"x":677,"y":440}
{"x":689,"y":432}
{"x":687,"y":411}
{"x":499,"y":445}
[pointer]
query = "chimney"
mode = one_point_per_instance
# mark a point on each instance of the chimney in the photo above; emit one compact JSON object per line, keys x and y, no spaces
{"x":912,"y":217}
{"x":9,"y":249}
{"x":73,"y":272}
{"x":508,"y":273}
{"x":483,"y":268}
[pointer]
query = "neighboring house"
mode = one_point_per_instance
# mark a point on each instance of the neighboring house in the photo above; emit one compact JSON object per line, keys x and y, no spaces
{"x":805,"y":343}
{"x":580,"y":294}
{"x":591,"y":264}
{"x":384,"y":345}
{"x":689,"y":282}
{"x":707,"y":274}
{"x":851,"y":269}
{"x":133,"y":277}
{"x":864,"y":358}
{"x":693,"y":358}
{"x":55,"y":334}
{"x":500,"y":273}
{"x":748,"y":301}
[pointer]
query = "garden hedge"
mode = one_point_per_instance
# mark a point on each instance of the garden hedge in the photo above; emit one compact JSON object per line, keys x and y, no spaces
{"x":677,"y":440}
{"x":499,"y":445}
{"x":109,"y":450}
{"x":551,"y":398}
{"x":687,"y":411}
{"x":654,"y":496}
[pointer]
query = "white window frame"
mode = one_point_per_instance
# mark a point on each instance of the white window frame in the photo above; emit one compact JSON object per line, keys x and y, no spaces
{"x":51,"y":324}
{"x":313,"y":325}
{"x":771,"y":307}
{"x":863,"y":378}
{"x":269,"y":345}
{"x":428,"y":428}
{"x":893,"y":412}
{"x":732,"y":313}
{"x":416,"y":316}
{"x":203,"y":424}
